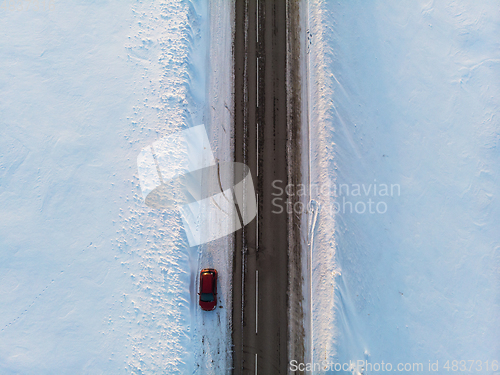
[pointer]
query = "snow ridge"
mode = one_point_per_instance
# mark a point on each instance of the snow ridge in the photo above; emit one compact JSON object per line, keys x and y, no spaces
{"x":322,"y":123}
{"x":167,"y":49}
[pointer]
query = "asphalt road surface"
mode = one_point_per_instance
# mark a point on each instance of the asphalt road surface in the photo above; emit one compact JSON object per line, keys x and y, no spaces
{"x":267,"y":333}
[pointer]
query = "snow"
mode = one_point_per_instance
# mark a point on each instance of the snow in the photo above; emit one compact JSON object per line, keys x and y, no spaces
{"x":212,"y":336}
{"x":405,"y":93}
{"x":65,"y":90}
{"x":91,"y":279}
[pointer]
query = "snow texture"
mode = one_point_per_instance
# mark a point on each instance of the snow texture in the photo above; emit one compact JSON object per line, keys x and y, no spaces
{"x":212,"y":333}
{"x":92,"y":281}
{"x":404,"y":111}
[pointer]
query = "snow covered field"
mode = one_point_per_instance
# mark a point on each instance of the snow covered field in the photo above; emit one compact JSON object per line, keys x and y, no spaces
{"x":406,"y":93}
{"x":92,"y":281}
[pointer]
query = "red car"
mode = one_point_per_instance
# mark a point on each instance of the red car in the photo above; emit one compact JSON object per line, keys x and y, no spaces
{"x":208,"y":289}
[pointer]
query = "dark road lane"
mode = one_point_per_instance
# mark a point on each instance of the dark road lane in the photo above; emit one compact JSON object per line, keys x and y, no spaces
{"x":264,"y":130}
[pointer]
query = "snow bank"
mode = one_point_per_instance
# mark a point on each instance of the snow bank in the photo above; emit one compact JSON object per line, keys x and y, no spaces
{"x":168,"y":50}
{"x":321,"y":253}
{"x":404,"y":94}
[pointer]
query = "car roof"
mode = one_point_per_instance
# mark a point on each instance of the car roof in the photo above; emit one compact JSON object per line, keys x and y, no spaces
{"x":206,"y":282}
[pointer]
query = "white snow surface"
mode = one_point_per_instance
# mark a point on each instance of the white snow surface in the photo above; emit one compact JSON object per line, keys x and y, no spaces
{"x":406,"y":93}
{"x":92,"y":281}
{"x":211,"y":336}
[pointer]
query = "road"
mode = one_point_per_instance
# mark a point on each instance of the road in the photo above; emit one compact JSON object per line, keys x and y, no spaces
{"x":267,"y":333}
